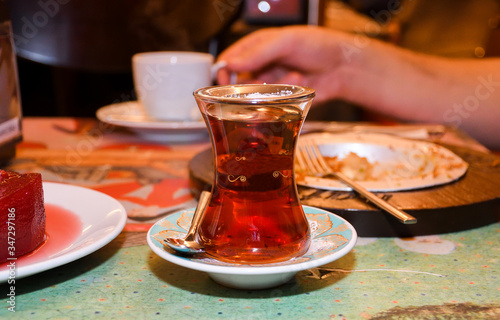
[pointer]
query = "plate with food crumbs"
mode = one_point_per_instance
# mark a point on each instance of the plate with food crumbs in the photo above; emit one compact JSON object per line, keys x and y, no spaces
{"x":382,"y":163}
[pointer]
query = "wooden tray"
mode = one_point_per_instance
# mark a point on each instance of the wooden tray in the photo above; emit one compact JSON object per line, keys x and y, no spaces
{"x":470,"y":202}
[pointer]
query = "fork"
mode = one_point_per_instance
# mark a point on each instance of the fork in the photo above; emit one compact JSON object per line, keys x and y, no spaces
{"x":311,"y":160}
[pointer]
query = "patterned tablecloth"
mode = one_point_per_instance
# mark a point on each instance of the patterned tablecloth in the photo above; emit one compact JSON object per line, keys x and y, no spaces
{"x":446,"y":276}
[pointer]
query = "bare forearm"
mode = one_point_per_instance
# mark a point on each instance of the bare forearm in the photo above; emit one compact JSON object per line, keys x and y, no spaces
{"x":376,"y":75}
{"x":415,"y":87}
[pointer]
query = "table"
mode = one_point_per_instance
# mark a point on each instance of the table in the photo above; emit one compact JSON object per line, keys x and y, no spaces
{"x":454,"y":274}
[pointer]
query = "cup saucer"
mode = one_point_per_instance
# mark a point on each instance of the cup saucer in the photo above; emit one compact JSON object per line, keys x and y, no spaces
{"x":332,"y":237}
{"x":131,"y":115}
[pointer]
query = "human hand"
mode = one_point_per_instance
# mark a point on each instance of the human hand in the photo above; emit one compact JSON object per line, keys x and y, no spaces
{"x":301,"y":55}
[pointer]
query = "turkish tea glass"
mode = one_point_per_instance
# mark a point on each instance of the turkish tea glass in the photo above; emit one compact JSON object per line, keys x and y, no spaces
{"x":254,"y":215}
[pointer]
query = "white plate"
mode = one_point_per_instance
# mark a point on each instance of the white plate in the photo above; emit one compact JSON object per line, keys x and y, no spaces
{"x":399,"y":164}
{"x":132,"y":116}
{"x":102,"y":219}
{"x":332,"y":238}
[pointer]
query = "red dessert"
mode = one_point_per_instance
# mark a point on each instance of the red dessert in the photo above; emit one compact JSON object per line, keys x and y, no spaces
{"x":22,"y":214}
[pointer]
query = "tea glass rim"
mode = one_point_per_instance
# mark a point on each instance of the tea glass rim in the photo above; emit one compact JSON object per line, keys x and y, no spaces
{"x":235,"y":93}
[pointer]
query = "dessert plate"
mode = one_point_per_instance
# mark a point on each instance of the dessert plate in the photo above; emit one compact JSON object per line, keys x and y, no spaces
{"x":132,"y":116}
{"x":384,"y":162}
{"x":332,"y":238}
{"x":102,"y":219}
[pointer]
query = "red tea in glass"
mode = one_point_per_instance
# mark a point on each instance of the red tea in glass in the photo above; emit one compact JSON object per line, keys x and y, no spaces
{"x":254,"y":215}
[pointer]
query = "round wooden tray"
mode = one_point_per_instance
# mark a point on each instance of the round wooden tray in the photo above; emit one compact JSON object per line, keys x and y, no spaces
{"x":470,"y":202}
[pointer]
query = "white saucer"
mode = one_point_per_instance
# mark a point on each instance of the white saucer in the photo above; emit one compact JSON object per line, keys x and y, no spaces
{"x":332,"y":238}
{"x":102,"y":219}
{"x":132,"y":116}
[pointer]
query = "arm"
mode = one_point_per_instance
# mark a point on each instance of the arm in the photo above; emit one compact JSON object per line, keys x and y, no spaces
{"x":376,"y":75}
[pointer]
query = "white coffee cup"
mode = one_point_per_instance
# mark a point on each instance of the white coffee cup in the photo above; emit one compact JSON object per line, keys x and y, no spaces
{"x":165,"y":81}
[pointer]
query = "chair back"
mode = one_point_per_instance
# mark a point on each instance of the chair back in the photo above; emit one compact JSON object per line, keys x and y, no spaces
{"x":102,"y":35}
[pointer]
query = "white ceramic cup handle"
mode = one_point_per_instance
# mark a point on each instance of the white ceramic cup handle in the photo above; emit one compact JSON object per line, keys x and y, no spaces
{"x":221,"y":64}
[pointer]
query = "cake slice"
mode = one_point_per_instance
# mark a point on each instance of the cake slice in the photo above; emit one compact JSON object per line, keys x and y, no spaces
{"x":22,"y":214}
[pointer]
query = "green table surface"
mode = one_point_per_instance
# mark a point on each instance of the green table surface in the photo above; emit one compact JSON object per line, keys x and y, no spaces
{"x":456,"y":275}
{"x":446,"y":276}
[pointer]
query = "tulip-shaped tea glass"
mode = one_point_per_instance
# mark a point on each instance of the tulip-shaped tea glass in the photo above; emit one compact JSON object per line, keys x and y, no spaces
{"x":254,"y":215}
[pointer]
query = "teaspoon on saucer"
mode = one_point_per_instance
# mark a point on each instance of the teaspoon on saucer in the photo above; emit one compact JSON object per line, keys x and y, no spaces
{"x":188,"y":244}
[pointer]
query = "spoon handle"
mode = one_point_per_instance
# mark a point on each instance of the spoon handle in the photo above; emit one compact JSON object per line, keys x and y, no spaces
{"x":198,"y":214}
